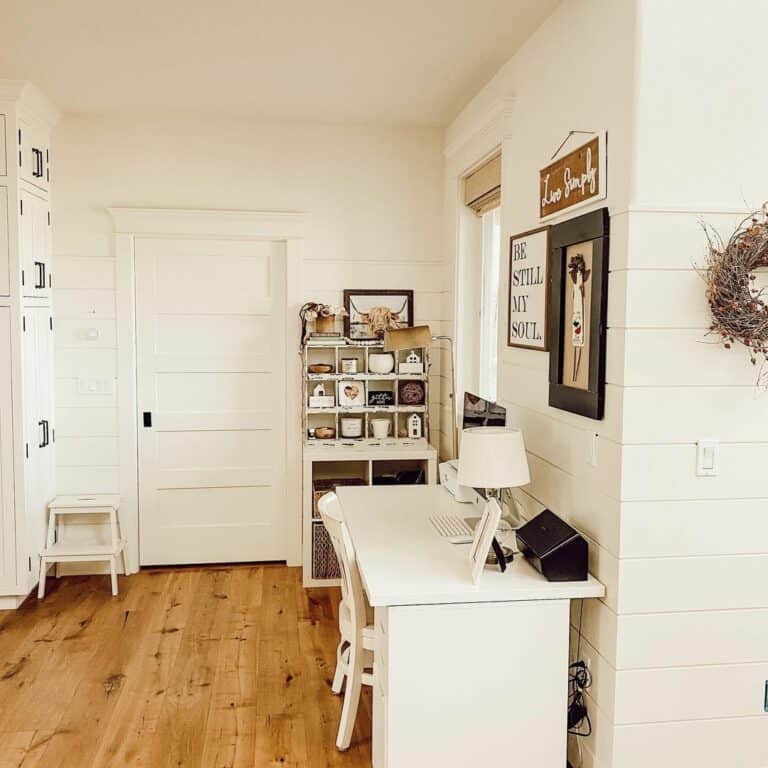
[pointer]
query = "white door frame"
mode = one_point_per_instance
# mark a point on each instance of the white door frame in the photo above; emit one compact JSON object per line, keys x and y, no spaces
{"x":133,"y":223}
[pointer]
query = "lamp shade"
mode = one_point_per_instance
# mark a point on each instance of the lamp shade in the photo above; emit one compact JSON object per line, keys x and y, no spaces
{"x":407,"y":338}
{"x":493,"y":457}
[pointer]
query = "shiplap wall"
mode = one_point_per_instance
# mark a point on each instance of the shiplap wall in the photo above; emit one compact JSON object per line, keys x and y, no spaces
{"x":547,"y":100}
{"x":372,"y":196}
{"x":678,"y":648}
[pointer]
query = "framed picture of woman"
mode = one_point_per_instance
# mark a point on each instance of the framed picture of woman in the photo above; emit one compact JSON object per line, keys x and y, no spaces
{"x":579,"y":306}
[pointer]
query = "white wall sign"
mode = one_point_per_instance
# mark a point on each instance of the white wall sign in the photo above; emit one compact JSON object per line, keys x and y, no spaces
{"x":528,"y":289}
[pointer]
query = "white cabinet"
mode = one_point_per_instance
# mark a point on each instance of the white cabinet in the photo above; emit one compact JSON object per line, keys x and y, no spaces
{"x":27,"y":466}
{"x":34,"y":153}
{"x":3,"y":150}
{"x":5,"y":245}
{"x":35,"y":245}
{"x":37,"y":379}
{"x":7,"y":508}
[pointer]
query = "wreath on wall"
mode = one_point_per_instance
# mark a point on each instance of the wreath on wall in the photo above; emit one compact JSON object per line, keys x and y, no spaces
{"x":739,"y":307}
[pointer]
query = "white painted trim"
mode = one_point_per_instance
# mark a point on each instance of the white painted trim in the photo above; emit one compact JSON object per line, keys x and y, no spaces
{"x":286,"y":227}
{"x":31,"y":98}
{"x":127,"y":419}
{"x":12,"y":603}
{"x":486,"y":126}
{"x":277,"y":225}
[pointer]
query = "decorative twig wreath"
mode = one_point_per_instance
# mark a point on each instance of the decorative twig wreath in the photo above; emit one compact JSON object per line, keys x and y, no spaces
{"x":739,"y":308}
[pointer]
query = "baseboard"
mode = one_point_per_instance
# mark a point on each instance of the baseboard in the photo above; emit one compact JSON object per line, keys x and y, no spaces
{"x":11,"y":602}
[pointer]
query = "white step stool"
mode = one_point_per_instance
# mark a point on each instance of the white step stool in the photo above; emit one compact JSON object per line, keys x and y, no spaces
{"x":55,"y":552}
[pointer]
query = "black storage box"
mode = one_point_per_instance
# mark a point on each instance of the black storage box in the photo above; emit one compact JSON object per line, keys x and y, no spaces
{"x":553,"y":548}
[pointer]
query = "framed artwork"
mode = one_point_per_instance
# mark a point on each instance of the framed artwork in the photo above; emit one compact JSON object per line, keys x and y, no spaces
{"x":371,"y":312}
{"x":578,"y":313}
{"x":483,"y":539}
{"x":528,"y":290}
{"x":351,"y":394}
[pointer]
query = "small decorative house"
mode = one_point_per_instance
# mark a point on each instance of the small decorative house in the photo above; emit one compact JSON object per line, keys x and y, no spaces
{"x":414,"y":426}
{"x":412,"y":364}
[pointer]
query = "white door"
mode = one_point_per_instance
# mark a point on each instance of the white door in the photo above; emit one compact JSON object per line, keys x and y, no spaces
{"x":210,"y":340}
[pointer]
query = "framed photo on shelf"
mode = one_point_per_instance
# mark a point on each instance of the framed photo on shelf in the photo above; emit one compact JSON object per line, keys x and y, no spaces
{"x":351,"y":394}
{"x":578,"y":305}
{"x":528,"y":290}
{"x":371,"y":312}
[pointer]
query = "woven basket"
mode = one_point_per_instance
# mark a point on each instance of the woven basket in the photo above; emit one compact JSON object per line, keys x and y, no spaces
{"x":324,"y":562}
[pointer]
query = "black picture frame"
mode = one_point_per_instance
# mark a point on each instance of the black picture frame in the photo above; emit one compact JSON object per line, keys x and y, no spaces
{"x":350,"y":294}
{"x":594,"y":227}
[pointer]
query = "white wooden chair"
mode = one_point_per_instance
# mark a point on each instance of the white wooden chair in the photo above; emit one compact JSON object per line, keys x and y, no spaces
{"x":354,"y":654}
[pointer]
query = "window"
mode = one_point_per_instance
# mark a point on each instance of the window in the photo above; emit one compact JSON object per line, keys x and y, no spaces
{"x":477,"y":280}
{"x":489,"y":303}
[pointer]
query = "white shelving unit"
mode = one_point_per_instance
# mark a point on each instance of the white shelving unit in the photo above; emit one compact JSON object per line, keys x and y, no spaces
{"x":365,"y":460}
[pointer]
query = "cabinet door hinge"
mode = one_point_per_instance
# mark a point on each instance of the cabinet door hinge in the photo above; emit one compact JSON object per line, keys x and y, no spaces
{"x":50,"y":322}
{"x":26,"y":449}
{"x":22,"y":277}
{"x":49,"y":218}
{"x":30,"y":564}
{"x":21,"y":207}
{"x":23,"y":322}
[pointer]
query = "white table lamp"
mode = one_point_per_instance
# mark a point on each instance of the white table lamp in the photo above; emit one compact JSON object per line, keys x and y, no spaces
{"x":493,"y":458}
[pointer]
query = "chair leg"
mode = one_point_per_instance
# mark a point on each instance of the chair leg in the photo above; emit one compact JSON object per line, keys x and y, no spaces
{"x":351,"y":699}
{"x":342,"y":655}
{"x":113,"y":574}
{"x":41,"y":583}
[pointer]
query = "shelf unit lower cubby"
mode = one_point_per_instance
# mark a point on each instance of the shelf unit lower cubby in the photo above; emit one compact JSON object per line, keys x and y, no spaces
{"x":326,"y":467}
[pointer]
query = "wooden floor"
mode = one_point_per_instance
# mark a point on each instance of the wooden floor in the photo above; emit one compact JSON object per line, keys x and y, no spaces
{"x":208,"y":667}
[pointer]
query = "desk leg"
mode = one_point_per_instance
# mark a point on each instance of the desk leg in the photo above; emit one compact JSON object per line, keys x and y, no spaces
{"x":469,"y":684}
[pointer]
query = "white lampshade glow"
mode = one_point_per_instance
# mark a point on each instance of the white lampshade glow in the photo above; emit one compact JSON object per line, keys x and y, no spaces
{"x":493,"y":457}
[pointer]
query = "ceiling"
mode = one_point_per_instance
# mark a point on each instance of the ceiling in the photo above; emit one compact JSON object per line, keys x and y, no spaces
{"x":415,"y":62}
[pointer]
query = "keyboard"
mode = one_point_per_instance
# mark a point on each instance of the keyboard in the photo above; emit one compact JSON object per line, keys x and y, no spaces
{"x":454,"y":528}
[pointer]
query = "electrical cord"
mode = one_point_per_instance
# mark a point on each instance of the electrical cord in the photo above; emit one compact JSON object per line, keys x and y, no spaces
{"x":579,"y":680}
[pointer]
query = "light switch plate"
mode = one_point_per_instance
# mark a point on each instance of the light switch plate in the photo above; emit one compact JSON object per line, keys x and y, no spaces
{"x":93,"y":386}
{"x":708,"y":458}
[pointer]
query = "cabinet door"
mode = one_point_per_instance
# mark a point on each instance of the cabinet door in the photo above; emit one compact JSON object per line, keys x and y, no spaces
{"x":45,"y":403}
{"x":7,"y":507}
{"x":5,"y":254}
{"x":3,"y":150}
{"x":35,"y":246}
{"x":38,"y":433}
{"x":34,"y":154}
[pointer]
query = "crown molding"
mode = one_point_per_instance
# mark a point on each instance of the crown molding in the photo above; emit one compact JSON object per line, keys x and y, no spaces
{"x":31,"y":97}
{"x":491,"y":125}
{"x":277,"y":225}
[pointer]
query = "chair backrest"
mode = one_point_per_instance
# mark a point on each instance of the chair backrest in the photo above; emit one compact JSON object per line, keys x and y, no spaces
{"x":351,"y":584}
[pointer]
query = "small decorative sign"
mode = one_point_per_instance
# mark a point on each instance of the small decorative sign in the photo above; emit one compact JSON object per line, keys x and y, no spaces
{"x":528,"y":290}
{"x":381,"y":398}
{"x":576,"y":179}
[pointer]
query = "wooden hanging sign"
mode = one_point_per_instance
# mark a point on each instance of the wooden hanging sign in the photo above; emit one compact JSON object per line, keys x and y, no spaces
{"x":574,"y":180}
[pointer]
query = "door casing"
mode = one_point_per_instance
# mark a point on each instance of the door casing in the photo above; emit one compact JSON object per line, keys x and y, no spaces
{"x":130,"y":223}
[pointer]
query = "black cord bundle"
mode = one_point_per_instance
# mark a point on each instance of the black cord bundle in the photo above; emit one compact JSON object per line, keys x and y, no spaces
{"x":579,"y":679}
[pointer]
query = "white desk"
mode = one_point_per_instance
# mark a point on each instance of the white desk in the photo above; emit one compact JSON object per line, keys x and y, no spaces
{"x":464,"y":675}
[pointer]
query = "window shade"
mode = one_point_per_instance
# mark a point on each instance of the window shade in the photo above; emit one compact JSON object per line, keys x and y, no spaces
{"x":482,"y":187}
